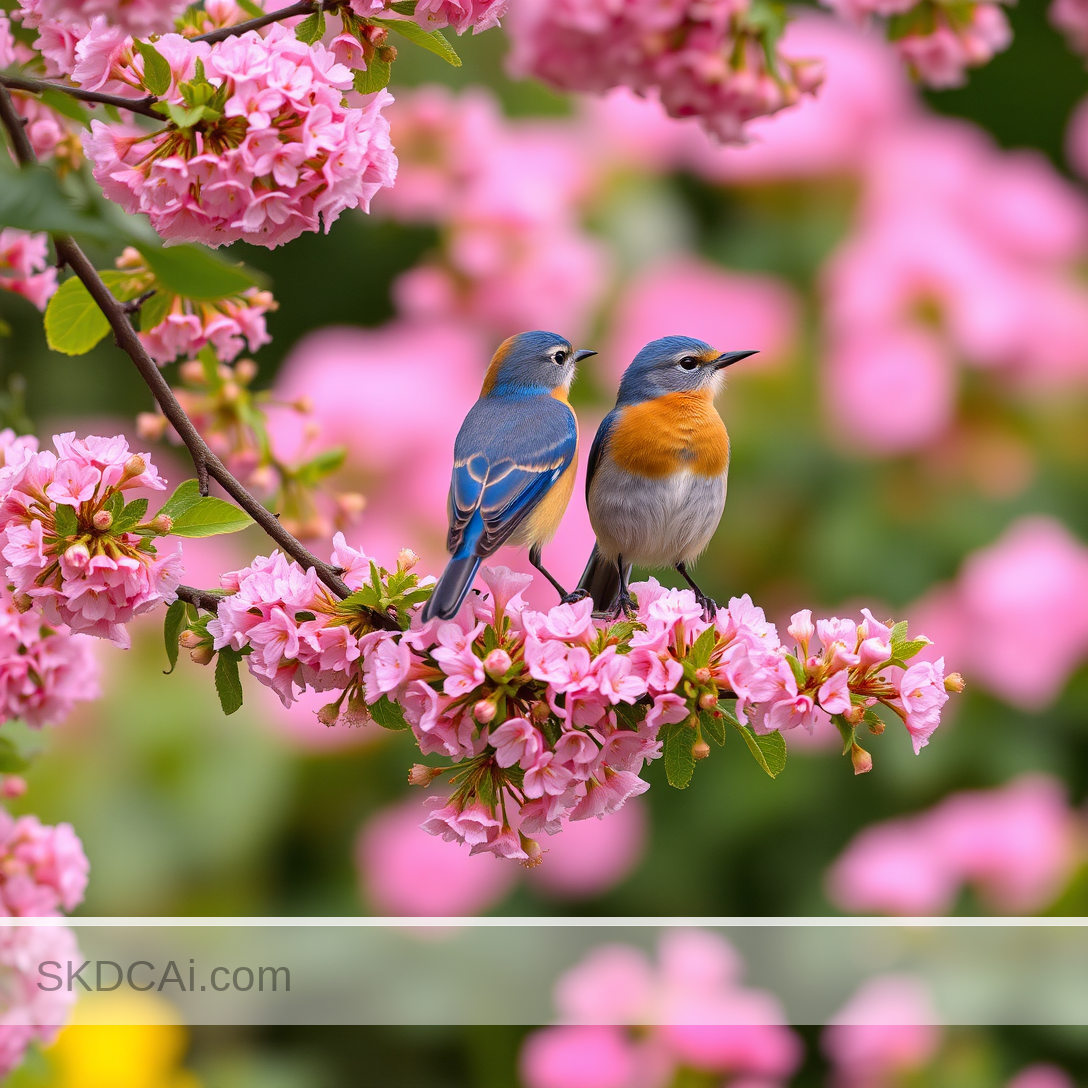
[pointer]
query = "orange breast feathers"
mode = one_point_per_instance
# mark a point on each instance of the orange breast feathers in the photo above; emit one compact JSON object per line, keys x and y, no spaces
{"x":540,"y":526}
{"x":671,"y":433}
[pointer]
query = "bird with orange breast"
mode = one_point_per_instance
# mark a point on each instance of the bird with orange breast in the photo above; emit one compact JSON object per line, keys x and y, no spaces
{"x":514,"y":463}
{"x":657,"y":469}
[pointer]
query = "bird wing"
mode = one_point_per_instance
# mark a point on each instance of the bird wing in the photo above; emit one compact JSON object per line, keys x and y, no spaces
{"x":600,"y":441}
{"x":508,"y":455}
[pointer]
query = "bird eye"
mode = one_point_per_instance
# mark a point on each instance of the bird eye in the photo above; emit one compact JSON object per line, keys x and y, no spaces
{"x":689,"y":362}
{"x":560,"y":357}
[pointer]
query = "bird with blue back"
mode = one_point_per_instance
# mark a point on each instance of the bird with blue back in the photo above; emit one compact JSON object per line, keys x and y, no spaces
{"x":514,"y":463}
{"x":658,"y":468}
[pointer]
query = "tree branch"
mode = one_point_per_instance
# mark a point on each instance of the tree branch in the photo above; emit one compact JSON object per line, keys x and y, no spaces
{"x":303,"y":7}
{"x":37,"y":86}
{"x":201,"y":598}
{"x":207,"y":464}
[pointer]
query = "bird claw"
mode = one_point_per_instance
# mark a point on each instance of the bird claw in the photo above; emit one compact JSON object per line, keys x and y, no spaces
{"x":624,"y":606}
{"x":574,"y":596}
{"x":710,"y":607}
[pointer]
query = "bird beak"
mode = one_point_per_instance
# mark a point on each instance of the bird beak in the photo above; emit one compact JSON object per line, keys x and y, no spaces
{"x":583,"y":353}
{"x":728,"y":358}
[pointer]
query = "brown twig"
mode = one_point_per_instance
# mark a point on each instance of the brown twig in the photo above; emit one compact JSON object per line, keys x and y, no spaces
{"x":133,"y":305}
{"x":207,"y":464}
{"x":37,"y":86}
{"x":303,"y":7}
{"x":201,"y":598}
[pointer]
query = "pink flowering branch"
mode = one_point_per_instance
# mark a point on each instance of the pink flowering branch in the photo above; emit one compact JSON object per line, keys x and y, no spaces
{"x":303,"y":7}
{"x":207,"y":464}
{"x":38,"y":86}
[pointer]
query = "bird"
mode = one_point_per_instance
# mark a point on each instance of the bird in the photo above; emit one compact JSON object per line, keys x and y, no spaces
{"x":514,"y":463}
{"x":656,"y":479}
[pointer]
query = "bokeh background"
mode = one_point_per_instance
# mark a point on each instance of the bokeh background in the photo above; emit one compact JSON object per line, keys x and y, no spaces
{"x":912,"y":436}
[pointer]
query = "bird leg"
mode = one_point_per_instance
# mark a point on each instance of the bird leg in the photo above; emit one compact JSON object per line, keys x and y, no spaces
{"x":625,"y":603}
{"x":710,"y":606}
{"x":564,"y":596}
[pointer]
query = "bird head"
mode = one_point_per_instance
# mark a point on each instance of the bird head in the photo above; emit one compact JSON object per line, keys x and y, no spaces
{"x":532,"y":363}
{"x":675,"y":364}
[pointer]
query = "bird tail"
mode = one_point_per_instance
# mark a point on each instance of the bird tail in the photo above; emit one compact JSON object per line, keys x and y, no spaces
{"x":601,"y":580}
{"x":451,"y":589}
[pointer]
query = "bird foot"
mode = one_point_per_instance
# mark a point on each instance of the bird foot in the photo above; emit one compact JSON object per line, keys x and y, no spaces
{"x":710,"y":606}
{"x":574,"y":596}
{"x":624,"y":606}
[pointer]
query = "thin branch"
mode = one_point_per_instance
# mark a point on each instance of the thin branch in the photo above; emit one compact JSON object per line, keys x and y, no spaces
{"x":133,"y":305}
{"x":37,"y":86}
{"x":201,"y":598}
{"x":207,"y":464}
{"x":303,"y":7}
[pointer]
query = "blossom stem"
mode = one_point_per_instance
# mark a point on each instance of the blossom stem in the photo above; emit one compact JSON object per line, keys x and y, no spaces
{"x":303,"y":7}
{"x":37,"y":86}
{"x":204,"y":460}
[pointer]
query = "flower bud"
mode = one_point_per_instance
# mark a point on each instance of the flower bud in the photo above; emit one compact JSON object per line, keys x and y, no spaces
{"x":102,"y":520}
{"x":77,"y":556}
{"x":954,"y":682}
{"x":538,"y":712}
{"x":264,"y":480}
{"x":329,"y":714}
{"x":150,"y":426}
{"x":161,"y":523}
{"x":854,"y":715}
{"x":422,"y":775}
{"x":700,"y":750}
{"x":484,"y":711}
{"x":875,"y":726}
{"x":862,"y":761}
{"x":357,"y":713}
{"x":13,"y":786}
{"x":406,"y":559}
{"x":350,"y":504}
{"x":532,"y":849}
{"x":133,"y":467}
{"x":692,"y":721}
{"x":702,"y":676}
{"x":192,"y":372}
{"x":801,"y":628}
{"x":496,"y":663}
{"x":304,"y":405}
{"x":708,"y":700}
{"x":191,"y":639}
{"x":230,"y":392}
{"x":245,"y":370}
{"x":388,"y":53}
{"x":202,"y":655}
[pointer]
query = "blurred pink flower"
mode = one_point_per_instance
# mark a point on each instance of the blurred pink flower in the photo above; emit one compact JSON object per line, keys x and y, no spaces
{"x":1042,"y":1075}
{"x":405,"y":871}
{"x":1071,"y":18}
{"x":1029,"y":592}
{"x":24,"y":266}
{"x":887,"y":1029}
{"x":1017,"y":845}
{"x":730,"y":310}
{"x":1076,"y":137}
{"x":890,"y":390}
{"x":940,"y":58}
{"x":579,"y":1056}
{"x":592,"y":856}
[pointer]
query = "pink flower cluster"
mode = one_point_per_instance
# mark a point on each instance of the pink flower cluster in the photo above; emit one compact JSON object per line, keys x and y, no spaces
{"x":62,"y":24}
{"x":553,"y":715}
{"x":693,"y":1012}
{"x":43,"y":869}
{"x":480,"y":15}
{"x":1017,"y":846}
{"x":63,"y":558}
{"x":269,"y":151}
{"x":704,"y":58}
{"x":42,"y":672}
{"x":25,"y":267}
{"x":1071,"y":18}
{"x":937,"y":41}
{"x":513,"y":254}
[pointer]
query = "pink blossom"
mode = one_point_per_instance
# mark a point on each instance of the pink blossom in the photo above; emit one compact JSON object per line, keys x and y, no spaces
{"x":1071,"y":18}
{"x":940,"y":58}
{"x":517,"y":741}
{"x":887,"y":1029}
{"x":922,"y":694}
{"x":1041,"y":1075}
{"x":192,"y":193}
{"x":480,"y":15}
{"x":24,"y":266}
{"x":42,"y":869}
{"x":578,"y":1057}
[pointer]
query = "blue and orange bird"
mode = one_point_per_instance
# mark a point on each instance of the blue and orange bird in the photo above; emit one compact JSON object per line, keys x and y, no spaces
{"x":658,"y":468}
{"x":514,"y":463}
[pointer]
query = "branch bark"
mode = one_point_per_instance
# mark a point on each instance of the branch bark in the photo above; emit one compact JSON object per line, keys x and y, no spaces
{"x":207,"y":464}
{"x":303,"y":7}
{"x":200,"y":598}
{"x":37,"y":86}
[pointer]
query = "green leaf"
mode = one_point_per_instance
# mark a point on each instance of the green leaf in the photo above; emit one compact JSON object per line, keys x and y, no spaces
{"x":66,"y":106}
{"x":404,"y":7}
{"x":228,"y":685}
{"x":388,"y":714}
{"x":325,"y":462}
{"x":210,"y":516}
{"x":254,"y":11}
{"x":156,"y":68}
{"x":712,"y":726}
{"x":177,"y":619}
{"x":899,"y":633}
{"x":186,"y":494}
{"x":155,"y":310}
{"x":195,"y":272}
{"x":703,"y":647}
{"x":10,"y":760}
{"x":431,"y":40}
{"x":131,"y":515}
{"x":31,"y":199}
{"x":115,"y":504}
{"x":73,"y":322}
{"x":904,"y":651}
{"x":187,"y":116}
{"x":769,"y":751}
{"x":311,"y":28}
{"x":679,"y":762}
{"x":846,"y":731}
{"x":64,"y":518}
{"x":797,"y":669}
{"x":377,"y":75}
